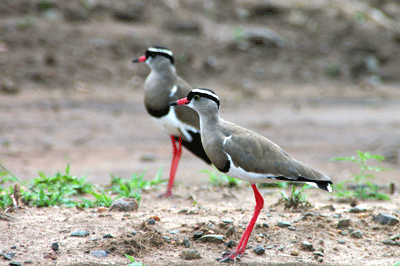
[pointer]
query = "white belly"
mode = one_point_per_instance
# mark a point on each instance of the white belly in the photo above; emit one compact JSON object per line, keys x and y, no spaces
{"x":171,"y":125}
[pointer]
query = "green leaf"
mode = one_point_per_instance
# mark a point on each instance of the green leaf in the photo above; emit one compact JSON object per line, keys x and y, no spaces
{"x":132,"y":259}
{"x":349,"y":159}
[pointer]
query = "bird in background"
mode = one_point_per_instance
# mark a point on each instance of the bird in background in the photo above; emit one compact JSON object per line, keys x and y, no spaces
{"x":246,"y":155}
{"x":181,"y":123}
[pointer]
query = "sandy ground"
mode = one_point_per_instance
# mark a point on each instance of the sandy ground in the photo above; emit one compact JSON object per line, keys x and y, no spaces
{"x":69,"y":95}
{"x":107,"y":131}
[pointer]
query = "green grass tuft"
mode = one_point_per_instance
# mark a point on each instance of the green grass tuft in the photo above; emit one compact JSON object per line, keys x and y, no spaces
{"x":64,"y":189}
{"x":217,"y":179}
{"x":364,"y":189}
{"x":133,"y":260}
{"x":296,"y":199}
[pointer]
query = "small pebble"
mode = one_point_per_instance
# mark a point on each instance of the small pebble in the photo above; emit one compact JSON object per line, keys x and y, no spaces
{"x":292,"y":228}
{"x":186,"y":242}
{"x":343,"y":223}
{"x":294,"y":252}
{"x":190,"y":254}
{"x":342,"y":241}
{"x":9,"y":256}
{"x":183,"y":211}
{"x":166,"y":239}
{"x":174,"y":232}
{"x":7,"y":86}
{"x":198,"y":234}
{"x":151,"y":221}
{"x":395,"y":237}
{"x":155,"y":217}
{"x":227,"y":221}
{"x":358,"y":209}
{"x":125,"y":205}
{"x":108,"y":236}
{"x":356,"y":234}
{"x":231,"y":243}
{"x":54,"y":246}
{"x":50,"y":255}
{"x":231,"y":231}
{"x":81,"y":233}
{"x":391,"y":242}
{"x":383,"y":218}
{"x":99,"y":254}
{"x":101,"y":209}
{"x":318,"y":254}
{"x":281,"y":248}
{"x":284,"y":224}
{"x":212,"y":226}
{"x":15,"y":263}
{"x":259,"y":250}
{"x":212,"y":238}
{"x":305,"y":245}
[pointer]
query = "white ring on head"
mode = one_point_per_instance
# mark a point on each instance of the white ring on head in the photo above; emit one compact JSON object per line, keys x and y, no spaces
{"x":206,"y":92}
{"x":159,"y":50}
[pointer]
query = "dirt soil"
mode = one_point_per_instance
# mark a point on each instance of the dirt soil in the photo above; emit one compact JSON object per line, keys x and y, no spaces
{"x":319,"y":78}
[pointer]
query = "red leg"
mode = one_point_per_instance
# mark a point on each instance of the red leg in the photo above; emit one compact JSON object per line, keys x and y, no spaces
{"x":176,"y":156}
{"x":241,"y":247}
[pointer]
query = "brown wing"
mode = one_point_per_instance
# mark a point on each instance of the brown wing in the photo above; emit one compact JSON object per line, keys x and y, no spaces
{"x":256,"y":154}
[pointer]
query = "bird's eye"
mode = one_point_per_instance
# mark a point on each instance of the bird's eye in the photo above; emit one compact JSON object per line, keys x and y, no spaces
{"x":196,"y":97}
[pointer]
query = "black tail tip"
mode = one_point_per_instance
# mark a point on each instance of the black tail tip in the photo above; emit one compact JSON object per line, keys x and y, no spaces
{"x":325,"y":186}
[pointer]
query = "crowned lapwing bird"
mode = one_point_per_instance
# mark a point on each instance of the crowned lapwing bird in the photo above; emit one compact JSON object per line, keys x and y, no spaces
{"x":246,"y":155}
{"x":162,"y":86}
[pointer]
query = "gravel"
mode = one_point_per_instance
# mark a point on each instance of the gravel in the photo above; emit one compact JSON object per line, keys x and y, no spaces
{"x":190,"y":254}
{"x":383,"y":218}
{"x":259,"y":250}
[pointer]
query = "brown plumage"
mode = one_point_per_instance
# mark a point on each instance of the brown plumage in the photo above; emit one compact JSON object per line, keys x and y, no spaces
{"x":246,"y":155}
{"x":161,"y":87}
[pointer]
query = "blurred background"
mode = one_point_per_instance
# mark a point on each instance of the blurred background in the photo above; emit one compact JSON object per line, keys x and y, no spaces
{"x":320,"y":78}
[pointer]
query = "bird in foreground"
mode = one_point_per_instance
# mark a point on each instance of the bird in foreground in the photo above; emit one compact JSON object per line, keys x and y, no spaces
{"x":246,"y":155}
{"x":162,"y":86}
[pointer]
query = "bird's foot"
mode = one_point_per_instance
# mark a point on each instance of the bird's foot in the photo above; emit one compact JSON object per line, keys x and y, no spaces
{"x":230,"y":256}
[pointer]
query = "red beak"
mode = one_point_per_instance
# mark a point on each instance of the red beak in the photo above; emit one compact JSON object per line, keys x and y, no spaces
{"x":183,"y":101}
{"x":140,"y":59}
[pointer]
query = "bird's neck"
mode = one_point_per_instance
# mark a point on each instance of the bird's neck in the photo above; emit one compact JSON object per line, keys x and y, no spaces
{"x":158,"y":86}
{"x":163,"y":68}
{"x":209,"y":122}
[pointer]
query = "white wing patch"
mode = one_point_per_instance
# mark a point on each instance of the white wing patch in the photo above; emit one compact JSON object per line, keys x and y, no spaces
{"x":226,"y":138}
{"x":173,"y":90}
{"x":171,"y":125}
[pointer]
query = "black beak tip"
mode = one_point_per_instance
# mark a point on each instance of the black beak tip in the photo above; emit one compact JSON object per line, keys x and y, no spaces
{"x":173,"y":103}
{"x":135,"y":60}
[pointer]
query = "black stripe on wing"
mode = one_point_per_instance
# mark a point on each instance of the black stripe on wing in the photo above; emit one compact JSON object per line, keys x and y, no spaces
{"x":195,"y":146}
{"x":322,"y":184}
